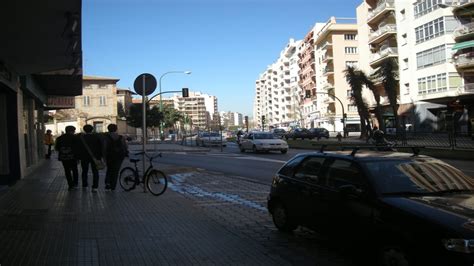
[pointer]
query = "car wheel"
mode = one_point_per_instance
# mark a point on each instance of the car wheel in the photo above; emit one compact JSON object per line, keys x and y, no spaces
{"x":254,"y":149}
{"x":393,"y":255}
{"x":286,"y":138}
{"x":281,"y":219}
{"x":294,"y":138}
{"x":284,"y":151}
{"x":242,"y":148}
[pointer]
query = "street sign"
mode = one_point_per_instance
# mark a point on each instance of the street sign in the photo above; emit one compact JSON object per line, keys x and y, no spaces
{"x":150,"y":84}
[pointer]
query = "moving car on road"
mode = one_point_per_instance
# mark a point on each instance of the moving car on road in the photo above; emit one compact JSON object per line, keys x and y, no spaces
{"x":262,"y":141}
{"x":210,"y":139}
{"x":279,"y":132}
{"x":410,"y":210}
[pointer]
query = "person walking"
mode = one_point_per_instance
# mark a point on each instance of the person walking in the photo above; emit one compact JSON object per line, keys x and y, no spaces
{"x":115,"y":149}
{"x":90,"y":153}
{"x":48,"y":141}
{"x":67,"y":146}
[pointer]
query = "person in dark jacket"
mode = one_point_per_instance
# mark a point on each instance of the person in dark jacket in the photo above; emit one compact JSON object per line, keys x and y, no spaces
{"x":94,"y":146}
{"x":67,"y":146}
{"x":115,"y":149}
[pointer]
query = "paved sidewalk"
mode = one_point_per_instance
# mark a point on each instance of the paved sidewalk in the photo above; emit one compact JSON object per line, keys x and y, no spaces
{"x":41,"y":223}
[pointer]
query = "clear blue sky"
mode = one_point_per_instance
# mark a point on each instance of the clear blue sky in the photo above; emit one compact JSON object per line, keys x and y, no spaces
{"x":225,"y":43}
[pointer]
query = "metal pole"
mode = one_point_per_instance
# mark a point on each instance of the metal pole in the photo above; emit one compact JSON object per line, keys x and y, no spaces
{"x":161,"y":106}
{"x":144,"y":127}
{"x":220,"y":130}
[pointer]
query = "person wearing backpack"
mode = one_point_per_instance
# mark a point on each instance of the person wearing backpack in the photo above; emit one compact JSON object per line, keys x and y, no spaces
{"x":90,"y":153}
{"x":67,"y":147}
{"x":115,"y":150}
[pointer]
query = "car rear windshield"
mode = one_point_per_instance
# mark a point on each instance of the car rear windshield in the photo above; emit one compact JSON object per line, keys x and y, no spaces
{"x":264,"y":136}
{"x":405,"y":176}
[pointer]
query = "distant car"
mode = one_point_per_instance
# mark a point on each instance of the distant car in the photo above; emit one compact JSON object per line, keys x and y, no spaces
{"x":279,"y":132}
{"x":408,"y":209}
{"x":319,"y":132}
{"x":298,"y":133}
{"x":210,"y":139}
{"x":262,"y":141}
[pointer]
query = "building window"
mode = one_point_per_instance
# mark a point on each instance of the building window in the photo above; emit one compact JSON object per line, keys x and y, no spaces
{"x":352,"y":108}
{"x":102,"y":101}
{"x":351,"y":50}
{"x":435,"y":28}
{"x":423,"y":7}
{"x":350,"y":37}
{"x":351,"y":63}
{"x":86,"y":100}
{"x":437,"y":83}
{"x":430,"y":57}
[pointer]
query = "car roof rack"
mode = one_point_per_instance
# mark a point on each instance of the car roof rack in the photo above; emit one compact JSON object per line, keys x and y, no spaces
{"x":415,"y":149}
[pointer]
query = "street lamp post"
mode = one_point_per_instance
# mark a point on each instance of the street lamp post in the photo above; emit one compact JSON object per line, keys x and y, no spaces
{"x":161,"y":100}
{"x":343,"y":112}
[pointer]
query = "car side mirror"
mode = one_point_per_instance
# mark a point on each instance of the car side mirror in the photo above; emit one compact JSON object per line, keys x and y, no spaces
{"x":347,"y":190}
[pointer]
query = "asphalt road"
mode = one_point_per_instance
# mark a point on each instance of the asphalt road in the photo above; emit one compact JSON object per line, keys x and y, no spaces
{"x":257,"y":167}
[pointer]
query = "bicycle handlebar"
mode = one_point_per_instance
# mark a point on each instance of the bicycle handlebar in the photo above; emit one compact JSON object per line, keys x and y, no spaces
{"x":148,"y":156}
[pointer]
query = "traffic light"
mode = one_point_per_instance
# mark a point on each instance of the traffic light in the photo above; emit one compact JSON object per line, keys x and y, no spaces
{"x":307,"y":94}
{"x":185,"y":92}
{"x":342,"y":120}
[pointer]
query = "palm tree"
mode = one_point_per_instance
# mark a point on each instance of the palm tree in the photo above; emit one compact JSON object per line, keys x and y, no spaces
{"x":378,"y":108}
{"x":357,"y":79}
{"x":388,"y":72}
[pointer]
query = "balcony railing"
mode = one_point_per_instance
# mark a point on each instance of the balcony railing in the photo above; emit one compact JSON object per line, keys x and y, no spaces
{"x":384,"y":52}
{"x":328,"y":70}
{"x":464,"y":60}
{"x":469,"y":87}
{"x":381,"y":7}
{"x":382,"y":30}
{"x":464,"y":30}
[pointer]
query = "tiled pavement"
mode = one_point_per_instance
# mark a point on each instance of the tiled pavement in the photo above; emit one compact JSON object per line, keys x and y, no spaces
{"x":203,"y":219}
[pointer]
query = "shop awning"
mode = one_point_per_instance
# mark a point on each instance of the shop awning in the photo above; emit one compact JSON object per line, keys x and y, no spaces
{"x":463,"y":45}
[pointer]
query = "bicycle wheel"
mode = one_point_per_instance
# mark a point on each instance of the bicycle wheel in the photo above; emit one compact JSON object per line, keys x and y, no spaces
{"x":156,"y":182}
{"x":128,"y":178}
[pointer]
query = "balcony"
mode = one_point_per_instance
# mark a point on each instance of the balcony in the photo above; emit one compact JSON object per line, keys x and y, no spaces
{"x":327,"y":45}
{"x":384,"y":53}
{"x":327,"y":57}
{"x":464,"y":61}
{"x":379,"y":12}
{"x":383,"y":33}
{"x":463,"y":7}
{"x":329,"y":100}
{"x":328,"y":71}
{"x":328,"y":87}
{"x":464,"y":32}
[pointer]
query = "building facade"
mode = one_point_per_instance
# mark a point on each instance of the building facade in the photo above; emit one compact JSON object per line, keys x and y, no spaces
{"x":201,"y":109}
{"x":277,"y":91}
{"x":418,"y":35}
{"x":336,"y":47}
{"x":35,"y":77}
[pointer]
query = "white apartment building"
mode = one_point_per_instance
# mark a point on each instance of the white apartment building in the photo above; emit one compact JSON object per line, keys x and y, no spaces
{"x":419,"y":35}
{"x":229,"y":119}
{"x":277,"y":94}
{"x":200,"y":108}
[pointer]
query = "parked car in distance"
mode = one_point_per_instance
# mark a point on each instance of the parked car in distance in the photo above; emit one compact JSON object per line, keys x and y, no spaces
{"x":298,"y":133}
{"x":410,"y":210}
{"x":210,"y":139}
{"x":262,"y":141}
{"x":319,"y":133}
{"x":278,"y":132}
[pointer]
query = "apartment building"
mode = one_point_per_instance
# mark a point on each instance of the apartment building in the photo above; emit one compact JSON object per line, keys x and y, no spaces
{"x":335,"y":47}
{"x":419,"y":36}
{"x":277,"y":92}
{"x":124,"y":100}
{"x":201,"y":108}
{"x":463,"y":102}
{"x":230,"y":119}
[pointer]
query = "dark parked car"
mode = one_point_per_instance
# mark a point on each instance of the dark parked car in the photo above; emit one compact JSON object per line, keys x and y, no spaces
{"x":409,"y":210}
{"x":279,"y":132}
{"x":298,"y":133}
{"x":319,"y":132}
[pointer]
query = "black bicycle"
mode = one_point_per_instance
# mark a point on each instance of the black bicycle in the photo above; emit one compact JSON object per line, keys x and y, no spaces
{"x":154,"y":179}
